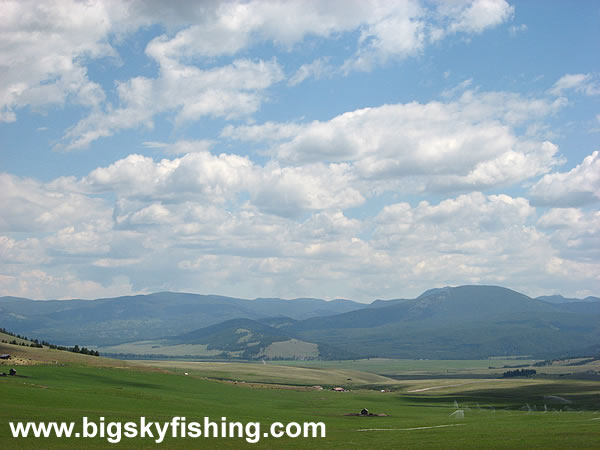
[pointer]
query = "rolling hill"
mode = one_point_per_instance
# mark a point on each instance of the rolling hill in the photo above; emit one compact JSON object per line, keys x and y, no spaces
{"x":233,"y":339}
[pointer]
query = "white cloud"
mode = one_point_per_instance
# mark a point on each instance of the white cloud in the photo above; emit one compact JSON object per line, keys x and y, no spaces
{"x":288,"y":191}
{"x":48,"y":46}
{"x":259,"y":244}
{"x":116,"y":262}
{"x":30,"y":206}
{"x":155,"y":144}
{"x":26,"y":251}
{"x":575,"y":270}
{"x":182,"y":147}
{"x":516,"y":29}
{"x":315,"y":219}
{"x":291,"y":191}
{"x":396,"y":34}
{"x":579,"y":186}
{"x":475,"y":16}
{"x":85,"y":239}
{"x":268,"y":131}
{"x":213,"y":177}
{"x":582,"y":83}
{"x":187,"y":91}
{"x":465,"y":214}
{"x":319,"y":68}
{"x":404,"y":29}
{"x":225,"y":28}
{"x":574,"y":233}
{"x":38,"y":284}
{"x":468,"y":143}
{"x":44,"y":47}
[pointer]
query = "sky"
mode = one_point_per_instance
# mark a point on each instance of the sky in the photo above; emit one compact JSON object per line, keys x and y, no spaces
{"x":338,"y":149}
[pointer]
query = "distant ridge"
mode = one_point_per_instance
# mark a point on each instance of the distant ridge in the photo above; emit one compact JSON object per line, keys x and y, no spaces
{"x":443,"y":323}
{"x":109,"y":321}
{"x":561,"y":299}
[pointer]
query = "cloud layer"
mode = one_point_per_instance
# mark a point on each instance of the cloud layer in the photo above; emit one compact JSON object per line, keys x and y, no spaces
{"x":229,"y":190}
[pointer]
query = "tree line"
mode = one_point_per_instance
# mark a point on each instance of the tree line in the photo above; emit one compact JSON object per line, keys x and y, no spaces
{"x":35,"y":343}
{"x":519,"y":373}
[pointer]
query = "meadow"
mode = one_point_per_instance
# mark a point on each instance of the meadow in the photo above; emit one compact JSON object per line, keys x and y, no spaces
{"x":515,"y":413}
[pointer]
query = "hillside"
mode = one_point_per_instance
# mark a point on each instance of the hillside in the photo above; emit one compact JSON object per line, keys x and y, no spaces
{"x":558,"y":299}
{"x":442,"y":307}
{"x":21,"y":355}
{"x":233,"y":339}
{"x":447,"y":323}
{"x":461,"y":322}
{"x":133,"y":318}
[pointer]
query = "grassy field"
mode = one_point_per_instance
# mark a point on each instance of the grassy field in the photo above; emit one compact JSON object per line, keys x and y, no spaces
{"x":496,"y":417}
{"x":272,"y":374}
{"x":9,"y":338}
{"x":31,"y":355}
{"x":291,"y":348}
{"x":406,"y":368}
{"x":509,"y":413}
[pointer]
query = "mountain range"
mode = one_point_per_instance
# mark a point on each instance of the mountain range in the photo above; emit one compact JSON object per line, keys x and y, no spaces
{"x":445,"y":323}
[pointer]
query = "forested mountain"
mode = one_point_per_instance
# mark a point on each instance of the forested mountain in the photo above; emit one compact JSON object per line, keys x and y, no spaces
{"x":446,"y":323}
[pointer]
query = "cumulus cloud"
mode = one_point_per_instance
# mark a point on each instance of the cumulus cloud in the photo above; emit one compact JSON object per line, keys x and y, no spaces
{"x":484,"y":237}
{"x":44,"y":47}
{"x":26,"y":251}
{"x":291,"y":191}
{"x":187,"y":91}
{"x":315,"y":219}
{"x":231,"y":231}
{"x":574,"y":232}
{"x":225,"y":28}
{"x":475,"y":16}
{"x":48,"y":45}
{"x":404,"y":29}
{"x":464,"y":214}
{"x":579,"y":186}
{"x":38,"y":284}
{"x":31,"y":206}
{"x":287,"y":191}
{"x":467,"y":143}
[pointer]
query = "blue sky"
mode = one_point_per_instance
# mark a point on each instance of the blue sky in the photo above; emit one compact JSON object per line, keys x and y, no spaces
{"x":325,"y":149}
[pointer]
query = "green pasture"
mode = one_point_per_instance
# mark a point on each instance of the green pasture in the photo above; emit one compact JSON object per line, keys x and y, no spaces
{"x":498,"y":415}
